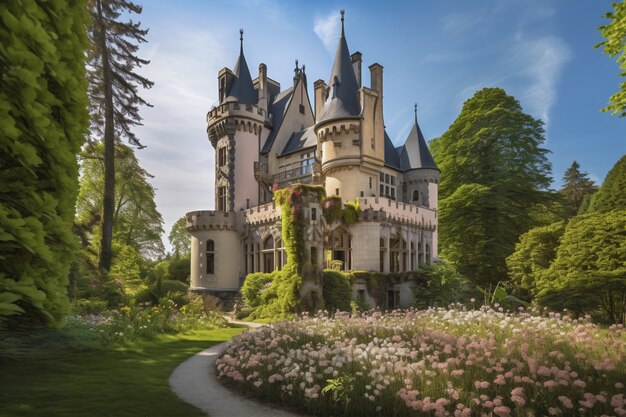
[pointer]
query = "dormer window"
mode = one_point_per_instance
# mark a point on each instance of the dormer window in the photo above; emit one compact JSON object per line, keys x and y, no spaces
{"x":336,"y":84}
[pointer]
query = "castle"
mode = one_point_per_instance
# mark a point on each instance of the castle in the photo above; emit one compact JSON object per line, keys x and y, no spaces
{"x":267,"y":139}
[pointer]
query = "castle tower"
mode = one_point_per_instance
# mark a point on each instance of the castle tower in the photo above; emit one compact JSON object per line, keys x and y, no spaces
{"x":236,"y":129}
{"x":338,"y":126}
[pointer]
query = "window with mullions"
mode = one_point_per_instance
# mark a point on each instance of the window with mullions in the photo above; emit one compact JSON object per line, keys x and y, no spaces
{"x":387,"y":186}
{"x":221,"y":156}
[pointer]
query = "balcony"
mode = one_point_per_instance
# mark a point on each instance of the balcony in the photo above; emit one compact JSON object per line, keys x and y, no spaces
{"x":260,"y":173}
{"x":302,"y":174}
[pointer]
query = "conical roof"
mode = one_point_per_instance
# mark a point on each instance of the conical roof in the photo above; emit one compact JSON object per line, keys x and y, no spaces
{"x":343,"y":99}
{"x":241,"y":88}
{"x":417,"y":150}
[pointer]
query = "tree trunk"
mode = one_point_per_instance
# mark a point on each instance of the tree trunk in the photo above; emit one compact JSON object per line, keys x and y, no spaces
{"x":108,"y":208}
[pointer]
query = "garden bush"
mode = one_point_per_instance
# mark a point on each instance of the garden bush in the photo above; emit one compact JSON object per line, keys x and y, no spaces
{"x":441,"y":362}
{"x":85,"y":306}
{"x":175,"y":290}
{"x":255,"y":288}
{"x":337,"y":291}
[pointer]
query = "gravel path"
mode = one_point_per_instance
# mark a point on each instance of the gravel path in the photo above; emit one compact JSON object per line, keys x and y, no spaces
{"x":195,"y":382}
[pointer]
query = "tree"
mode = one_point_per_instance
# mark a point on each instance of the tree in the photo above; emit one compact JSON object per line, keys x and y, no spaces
{"x":589,"y":271}
{"x":533,"y":255}
{"x":179,"y":238}
{"x":576,"y":187}
{"x":611,"y":195}
{"x":114,"y":95}
{"x":137,"y":221}
{"x":43,"y":121}
{"x":615,"y":46}
{"x":494,"y":176}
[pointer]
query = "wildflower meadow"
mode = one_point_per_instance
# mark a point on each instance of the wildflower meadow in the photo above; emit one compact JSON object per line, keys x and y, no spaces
{"x":435,"y":362}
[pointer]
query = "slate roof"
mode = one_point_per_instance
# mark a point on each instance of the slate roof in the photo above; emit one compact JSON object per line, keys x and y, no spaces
{"x":417,"y":152}
{"x":277,"y":110}
{"x":392,"y":158}
{"x":241,"y":89}
{"x":300,"y":140}
{"x":343,"y":98}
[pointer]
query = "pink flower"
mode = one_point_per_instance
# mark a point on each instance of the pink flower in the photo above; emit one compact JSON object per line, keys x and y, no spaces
{"x":567,"y":403}
{"x":553,"y":411}
{"x":502,"y":411}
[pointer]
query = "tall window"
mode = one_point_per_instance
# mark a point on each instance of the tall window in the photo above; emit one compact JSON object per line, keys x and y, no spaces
{"x":221,"y":198}
{"x":221,"y":156}
{"x":306,"y":163}
{"x":210,"y":257}
{"x":387,"y":186}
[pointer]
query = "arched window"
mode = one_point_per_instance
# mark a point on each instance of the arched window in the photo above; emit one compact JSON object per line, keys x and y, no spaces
{"x":210,"y":257}
{"x":416,"y":196}
{"x":268,"y":254}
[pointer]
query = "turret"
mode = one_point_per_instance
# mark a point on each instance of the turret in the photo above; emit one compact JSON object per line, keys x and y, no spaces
{"x":422,"y":176}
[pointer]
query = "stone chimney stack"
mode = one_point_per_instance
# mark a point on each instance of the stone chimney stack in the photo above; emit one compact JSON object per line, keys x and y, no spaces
{"x":320,"y":97}
{"x":376,"y":74}
{"x":263,"y":86}
{"x":356,"y":64}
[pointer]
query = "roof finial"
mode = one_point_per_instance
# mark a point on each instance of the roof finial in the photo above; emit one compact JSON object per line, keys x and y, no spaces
{"x":415,"y":110}
{"x":241,"y":40}
{"x":342,"y":11}
{"x":296,"y":64}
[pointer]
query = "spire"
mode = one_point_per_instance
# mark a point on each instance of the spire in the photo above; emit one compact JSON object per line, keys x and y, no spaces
{"x":417,"y":149}
{"x":343,"y":100}
{"x":241,"y":88}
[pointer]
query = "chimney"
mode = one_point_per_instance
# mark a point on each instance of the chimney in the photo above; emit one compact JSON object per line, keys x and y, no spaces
{"x":263,"y":86}
{"x":376,"y":78}
{"x":320,"y":97}
{"x":356,"y":64}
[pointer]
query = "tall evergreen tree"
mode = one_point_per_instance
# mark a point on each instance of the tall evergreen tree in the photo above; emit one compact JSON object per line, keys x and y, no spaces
{"x":576,"y":187}
{"x":43,"y":120}
{"x":114,"y":94}
{"x":494,"y":175}
{"x":611,"y":195}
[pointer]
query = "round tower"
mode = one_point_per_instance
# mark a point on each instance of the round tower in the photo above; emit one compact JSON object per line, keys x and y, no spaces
{"x":338,"y":126}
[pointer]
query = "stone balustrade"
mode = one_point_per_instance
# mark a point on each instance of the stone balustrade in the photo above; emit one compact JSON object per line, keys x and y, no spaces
{"x":262,"y":214}
{"x":400,"y":212}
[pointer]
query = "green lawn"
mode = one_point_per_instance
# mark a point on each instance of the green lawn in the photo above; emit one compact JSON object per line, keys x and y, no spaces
{"x":116,"y":381}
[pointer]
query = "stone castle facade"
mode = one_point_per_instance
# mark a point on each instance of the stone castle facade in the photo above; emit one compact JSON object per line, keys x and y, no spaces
{"x":266,"y":138}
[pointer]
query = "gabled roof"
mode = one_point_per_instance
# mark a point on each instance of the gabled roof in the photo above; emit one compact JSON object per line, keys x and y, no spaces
{"x":241,"y":89}
{"x":417,"y":151}
{"x":343,"y":99}
{"x":300,"y":140}
{"x":277,"y":110}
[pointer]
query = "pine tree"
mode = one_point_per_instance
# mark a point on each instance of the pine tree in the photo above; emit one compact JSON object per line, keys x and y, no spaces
{"x":611,"y":195}
{"x":43,"y":121}
{"x":114,"y":94}
{"x":494,"y":175}
{"x":576,"y":186}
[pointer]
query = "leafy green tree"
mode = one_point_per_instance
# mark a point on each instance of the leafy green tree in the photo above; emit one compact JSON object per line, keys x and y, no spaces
{"x":494,"y":176}
{"x":576,"y":186}
{"x":137,"y":220}
{"x":126,"y":267}
{"x":589,"y":271}
{"x":615,"y":46}
{"x":179,"y":238}
{"x":43,"y":121}
{"x":533,"y":255}
{"x":114,"y":95}
{"x":611,"y":195}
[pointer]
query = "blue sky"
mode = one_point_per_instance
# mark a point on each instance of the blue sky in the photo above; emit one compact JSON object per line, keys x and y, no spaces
{"x":434,"y":53}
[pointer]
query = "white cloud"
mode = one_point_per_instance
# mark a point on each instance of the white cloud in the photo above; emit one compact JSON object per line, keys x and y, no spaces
{"x":540,"y":62}
{"x":326,"y":27}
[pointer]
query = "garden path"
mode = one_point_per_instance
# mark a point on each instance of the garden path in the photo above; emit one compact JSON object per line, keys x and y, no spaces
{"x":195,"y":382}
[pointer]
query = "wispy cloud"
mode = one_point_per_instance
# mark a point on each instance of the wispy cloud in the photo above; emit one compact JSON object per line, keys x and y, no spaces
{"x":326,"y":27}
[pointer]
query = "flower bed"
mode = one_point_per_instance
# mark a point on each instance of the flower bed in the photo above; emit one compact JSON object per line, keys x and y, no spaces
{"x":441,"y":362}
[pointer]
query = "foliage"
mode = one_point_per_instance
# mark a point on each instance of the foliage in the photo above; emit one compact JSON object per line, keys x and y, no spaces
{"x":576,"y":186}
{"x":85,"y":307}
{"x":126,"y":268}
{"x":337,"y":291}
{"x":615,"y":46}
{"x":175,"y":290}
{"x":137,"y":221}
{"x":334,"y":212}
{"x":589,"y":271}
{"x":282,"y":298}
{"x":439,"y":284}
{"x":43,"y":120}
{"x":433,"y":362}
{"x":179,"y":238}
{"x":84,"y":378}
{"x":255,"y":289}
{"x":179,"y":269}
{"x":114,"y":95}
{"x":494,"y":174}
{"x":533,"y":255}
{"x":611,"y":195}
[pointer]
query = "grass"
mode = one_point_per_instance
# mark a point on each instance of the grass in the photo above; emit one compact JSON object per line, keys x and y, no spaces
{"x":64,"y":376}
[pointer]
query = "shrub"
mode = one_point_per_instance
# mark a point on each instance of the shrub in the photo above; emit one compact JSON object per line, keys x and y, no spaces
{"x":254,"y":287}
{"x":175,"y":290}
{"x":337,"y":291}
{"x":85,"y":307}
